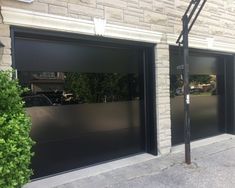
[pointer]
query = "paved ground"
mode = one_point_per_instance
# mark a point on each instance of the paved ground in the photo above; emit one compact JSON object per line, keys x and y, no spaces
{"x":213,"y":166}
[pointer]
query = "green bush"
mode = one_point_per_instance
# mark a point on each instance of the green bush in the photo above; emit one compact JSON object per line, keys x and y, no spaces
{"x":15,"y":143}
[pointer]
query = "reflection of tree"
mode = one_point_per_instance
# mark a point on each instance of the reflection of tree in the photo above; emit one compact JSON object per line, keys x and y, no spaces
{"x":200,"y":79}
{"x":175,"y":83}
{"x":195,"y":81}
{"x":97,"y":87}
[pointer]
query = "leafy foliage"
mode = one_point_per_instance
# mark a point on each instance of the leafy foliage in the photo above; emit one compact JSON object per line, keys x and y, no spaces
{"x":15,"y":143}
{"x":200,"y":79}
{"x":100,"y":87}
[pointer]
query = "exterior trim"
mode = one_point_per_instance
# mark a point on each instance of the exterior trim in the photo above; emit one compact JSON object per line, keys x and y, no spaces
{"x":25,"y":18}
{"x":204,"y":43}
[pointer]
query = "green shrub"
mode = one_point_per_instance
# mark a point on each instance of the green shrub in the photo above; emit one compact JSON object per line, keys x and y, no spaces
{"x":15,"y":143}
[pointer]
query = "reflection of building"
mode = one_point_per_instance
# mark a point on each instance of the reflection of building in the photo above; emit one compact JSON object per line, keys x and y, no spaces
{"x":43,"y":82}
{"x":46,"y":85}
{"x":50,"y":84}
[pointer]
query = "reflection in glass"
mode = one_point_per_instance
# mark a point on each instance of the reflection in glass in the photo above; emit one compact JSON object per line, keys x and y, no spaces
{"x":81,"y":118}
{"x":200,"y":85}
{"x":59,"y":88}
{"x":85,"y":99}
{"x":204,"y":107}
{"x":207,"y":94}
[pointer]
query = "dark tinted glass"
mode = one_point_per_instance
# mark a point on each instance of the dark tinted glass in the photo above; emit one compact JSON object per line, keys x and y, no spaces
{"x":85,"y":102}
{"x":206,"y":97}
{"x":67,"y":56}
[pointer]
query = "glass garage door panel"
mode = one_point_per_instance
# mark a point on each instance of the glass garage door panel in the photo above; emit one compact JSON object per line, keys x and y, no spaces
{"x":206,"y":98}
{"x":81,"y":114}
{"x":205,"y":108}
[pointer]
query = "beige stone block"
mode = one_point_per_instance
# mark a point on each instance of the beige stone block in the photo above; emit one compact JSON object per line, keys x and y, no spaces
{"x":113,"y":14}
{"x":4,"y":30}
{"x":146,"y":5}
{"x":6,"y":60}
{"x":165,"y":143}
{"x":211,"y":7}
{"x":131,"y":19}
{"x":164,"y":100}
{"x":164,"y":46}
{"x":161,"y":6}
{"x":53,"y":9}
{"x":34,"y":6}
{"x":55,"y":2}
{"x":7,"y":51}
{"x":133,"y":1}
{"x":229,"y":17}
{"x":85,"y":10}
{"x":134,"y":12}
{"x":100,"y":7}
{"x":91,"y":3}
{"x":113,"y":3}
{"x":163,"y":63}
{"x":181,"y":4}
{"x":216,"y":30}
{"x":160,"y":65}
{"x":155,"y":18}
{"x":132,"y":5}
{"x":6,"y":41}
{"x":162,"y":50}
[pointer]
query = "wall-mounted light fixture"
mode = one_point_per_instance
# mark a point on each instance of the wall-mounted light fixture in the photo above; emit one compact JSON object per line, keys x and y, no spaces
{"x":26,"y":1}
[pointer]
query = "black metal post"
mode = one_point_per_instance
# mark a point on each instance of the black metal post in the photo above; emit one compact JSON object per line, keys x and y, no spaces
{"x":186,"y":90}
{"x":187,"y":26}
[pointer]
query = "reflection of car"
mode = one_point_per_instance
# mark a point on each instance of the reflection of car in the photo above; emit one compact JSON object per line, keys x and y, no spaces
{"x":179,"y":91}
{"x":196,"y":91}
{"x":37,"y":100}
{"x":68,"y":97}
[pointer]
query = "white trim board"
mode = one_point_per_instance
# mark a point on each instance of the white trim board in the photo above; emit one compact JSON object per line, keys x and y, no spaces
{"x":31,"y":19}
{"x":204,"y":43}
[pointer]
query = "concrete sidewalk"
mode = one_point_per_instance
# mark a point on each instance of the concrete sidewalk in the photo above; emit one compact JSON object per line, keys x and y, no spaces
{"x":213,"y":166}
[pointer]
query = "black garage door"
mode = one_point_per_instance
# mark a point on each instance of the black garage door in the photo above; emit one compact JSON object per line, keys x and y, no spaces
{"x":86,"y":100}
{"x":207,"y":89}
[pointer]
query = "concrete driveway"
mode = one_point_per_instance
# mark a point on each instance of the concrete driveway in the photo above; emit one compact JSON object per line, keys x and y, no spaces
{"x":213,"y":166}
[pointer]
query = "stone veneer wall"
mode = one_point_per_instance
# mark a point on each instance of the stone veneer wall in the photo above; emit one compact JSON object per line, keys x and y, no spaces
{"x":217,"y":20}
{"x":5,"y":60}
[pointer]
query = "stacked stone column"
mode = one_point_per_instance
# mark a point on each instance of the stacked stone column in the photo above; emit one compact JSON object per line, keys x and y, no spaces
{"x":5,"y":57}
{"x":162,"y":68}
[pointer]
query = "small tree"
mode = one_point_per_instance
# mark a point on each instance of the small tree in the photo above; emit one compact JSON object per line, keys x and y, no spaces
{"x":15,"y":143}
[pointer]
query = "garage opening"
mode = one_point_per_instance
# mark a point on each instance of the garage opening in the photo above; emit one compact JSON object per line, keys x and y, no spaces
{"x":210,"y":89}
{"x":90,"y":100}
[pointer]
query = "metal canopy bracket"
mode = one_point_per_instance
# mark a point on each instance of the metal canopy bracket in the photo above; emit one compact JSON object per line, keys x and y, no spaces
{"x":195,"y":7}
{"x":188,"y":19}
